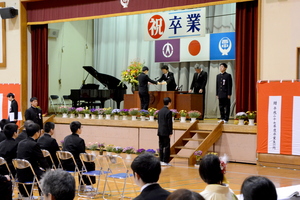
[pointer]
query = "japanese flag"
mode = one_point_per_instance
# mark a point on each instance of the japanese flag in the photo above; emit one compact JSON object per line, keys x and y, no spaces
{"x":194,"y":49}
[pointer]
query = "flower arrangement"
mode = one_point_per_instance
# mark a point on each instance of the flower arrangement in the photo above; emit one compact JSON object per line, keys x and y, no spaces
{"x":151,"y":111}
{"x":183,"y":113}
{"x":139,"y":151}
{"x":150,"y":151}
{"x":72,"y":110}
{"x":124,"y":112}
{"x":87,"y":111}
{"x":117,"y":149}
{"x":100,"y":111}
{"x":132,"y":72}
{"x":174,"y":112}
{"x":93,"y":146}
{"x":241,"y":115}
{"x":107,"y":111}
{"x":194,"y":114}
{"x":251,"y":114}
{"x":133,"y":111}
{"x":64,"y":109}
{"x":144,"y":112}
{"x":115,"y":112}
{"x":80,"y":110}
{"x":198,"y":154}
{"x":109,"y":148}
{"x":94,"y":111}
{"x":156,"y":113}
{"x":129,"y":150}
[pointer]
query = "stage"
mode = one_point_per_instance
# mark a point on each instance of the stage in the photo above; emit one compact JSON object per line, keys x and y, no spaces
{"x":238,"y":142}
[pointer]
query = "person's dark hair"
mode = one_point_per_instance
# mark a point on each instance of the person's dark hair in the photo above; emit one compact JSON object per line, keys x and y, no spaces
{"x":27,"y":122}
{"x":183,"y":194}
{"x":145,"y":69}
{"x":210,"y":170}
{"x":224,"y":64}
{"x":165,"y":67}
{"x":3,"y":122}
{"x":258,"y":188}
{"x":147,"y":166}
{"x":32,"y":129}
{"x":74,"y":126}
{"x":10,"y":95}
{"x":60,"y":184}
{"x":48,"y":126}
{"x":33,"y":99}
{"x":10,"y":129}
{"x":167,"y":100}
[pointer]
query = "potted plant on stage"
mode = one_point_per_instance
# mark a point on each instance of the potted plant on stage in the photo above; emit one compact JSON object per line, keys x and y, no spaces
{"x":151,"y":151}
{"x":198,"y":155}
{"x":100,"y":112}
{"x":183,"y":114}
{"x":87,"y":113}
{"x":143,"y":113}
{"x":94,"y":113}
{"x":241,"y":116}
{"x":101,"y":147}
{"x":107,"y":112}
{"x":80,"y":112}
{"x":93,"y":146}
{"x":139,"y":151}
{"x":116,"y":113}
{"x":194,"y":114}
{"x":133,"y":112}
{"x":151,"y":113}
{"x":72,"y":112}
{"x":124,"y":113}
{"x":109,"y":149}
{"x":174,"y":113}
{"x":117,"y":150}
{"x":64,"y":110}
{"x":131,"y":73}
{"x":251,"y":117}
{"x":129,"y":151}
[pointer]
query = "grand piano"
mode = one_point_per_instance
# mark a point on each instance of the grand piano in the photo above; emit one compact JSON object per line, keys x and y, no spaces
{"x":89,"y":94}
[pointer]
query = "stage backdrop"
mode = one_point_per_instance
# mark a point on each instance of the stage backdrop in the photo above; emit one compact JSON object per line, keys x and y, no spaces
{"x":278,"y":118}
{"x":4,"y":103}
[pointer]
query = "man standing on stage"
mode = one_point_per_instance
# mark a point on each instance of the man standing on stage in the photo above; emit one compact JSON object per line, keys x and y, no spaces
{"x":165,"y":130}
{"x":34,"y":113}
{"x":223,"y":92}
{"x":13,"y":107}
{"x":168,"y":78}
{"x":143,"y":79}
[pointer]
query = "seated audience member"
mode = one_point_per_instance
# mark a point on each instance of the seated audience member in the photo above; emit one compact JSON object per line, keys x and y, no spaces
{"x":146,"y":170}
{"x":23,"y":134}
{"x":212,"y":172}
{"x":58,"y":185}
{"x":258,"y":188}
{"x":8,"y":148}
{"x":184,"y":194}
{"x":3,"y":122}
{"x":48,"y":143}
{"x":76,"y":145}
{"x":29,"y":150}
{"x":5,"y":187}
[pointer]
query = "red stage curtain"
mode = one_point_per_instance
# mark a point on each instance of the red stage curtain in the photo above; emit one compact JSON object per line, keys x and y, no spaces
{"x":39,"y":43}
{"x":246,"y":56}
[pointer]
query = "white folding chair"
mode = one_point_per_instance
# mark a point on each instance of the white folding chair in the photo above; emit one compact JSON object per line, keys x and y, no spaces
{"x":118,"y":170}
{"x":66,"y":101}
{"x":46,"y":154}
{"x":54,"y":102}
{"x":24,"y":164}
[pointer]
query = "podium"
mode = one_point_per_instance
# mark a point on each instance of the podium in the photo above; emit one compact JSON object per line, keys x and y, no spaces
{"x":180,"y":100}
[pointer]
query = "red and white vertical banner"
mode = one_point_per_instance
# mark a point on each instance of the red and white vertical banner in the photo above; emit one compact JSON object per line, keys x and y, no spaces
{"x":278,"y":117}
{"x":4,"y":103}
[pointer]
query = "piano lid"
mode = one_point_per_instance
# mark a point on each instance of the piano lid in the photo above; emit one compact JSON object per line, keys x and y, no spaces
{"x":108,"y":81}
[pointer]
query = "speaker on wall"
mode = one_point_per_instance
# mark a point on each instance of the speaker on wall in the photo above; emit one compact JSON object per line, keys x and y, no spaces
{"x":8,"y":12}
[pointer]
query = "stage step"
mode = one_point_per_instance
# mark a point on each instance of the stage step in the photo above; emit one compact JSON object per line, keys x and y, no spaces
{"x":192,"y":139}
{"x":184,"y":147}
{"x":200,"y":131}
{"x":177,"y":156}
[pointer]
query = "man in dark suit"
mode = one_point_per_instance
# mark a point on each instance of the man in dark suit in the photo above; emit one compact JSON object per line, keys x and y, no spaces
{"x":23,"y":134}
{"x":13,"y":107}
{"x":48,"y":143}
{"x":34,"y":113}
{"x":143,"y":79}
{"x":165,"y":130}
{"x":29,"y":150}
{"x":3,"y":122}
{"x":146,"y":170}
{"x":8,"y":148}
{"x":223,"y":92}
{"x":76,"y":145}
{"x":168,"y":78}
